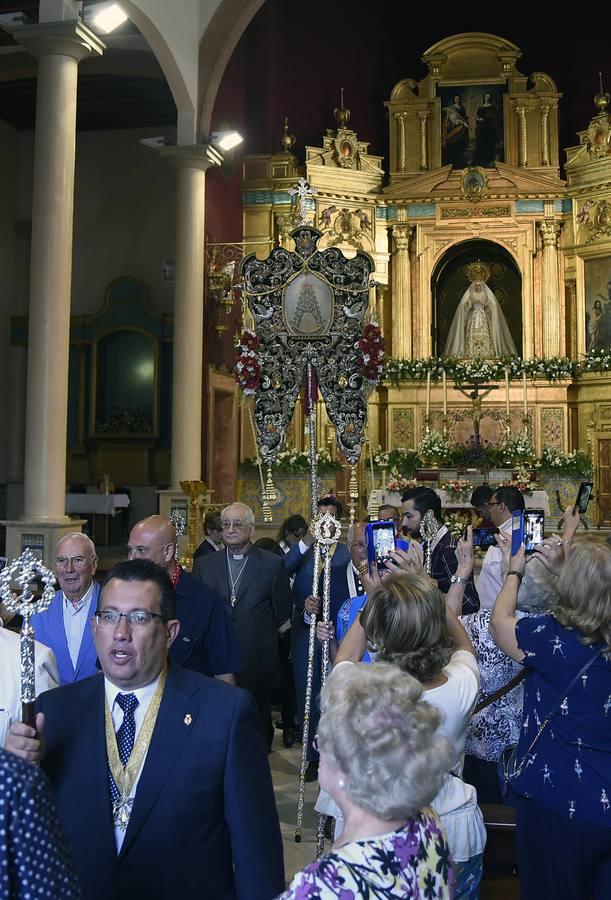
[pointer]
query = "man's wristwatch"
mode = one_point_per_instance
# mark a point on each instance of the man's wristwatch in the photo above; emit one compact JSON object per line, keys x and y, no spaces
{"x":458,"y":579}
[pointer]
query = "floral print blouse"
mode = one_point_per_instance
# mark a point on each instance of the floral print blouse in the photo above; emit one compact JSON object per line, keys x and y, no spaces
{"x":413,"y":862}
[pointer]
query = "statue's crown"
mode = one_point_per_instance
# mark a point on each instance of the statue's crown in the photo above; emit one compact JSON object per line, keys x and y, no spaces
{"x":478,"y":270}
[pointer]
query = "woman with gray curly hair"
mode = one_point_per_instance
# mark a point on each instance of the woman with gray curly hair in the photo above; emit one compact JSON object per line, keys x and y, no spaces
{"x":382,"y":760}
{"x":407,"y":622}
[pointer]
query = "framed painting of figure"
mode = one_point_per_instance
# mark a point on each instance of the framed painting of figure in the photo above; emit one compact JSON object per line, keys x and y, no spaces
{"x":598,"y":303}
{"x":471,"y":127}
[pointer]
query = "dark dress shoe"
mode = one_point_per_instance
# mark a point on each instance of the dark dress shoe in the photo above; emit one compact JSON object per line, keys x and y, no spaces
{"x":288,"y":737}
{"x":311,"y":773}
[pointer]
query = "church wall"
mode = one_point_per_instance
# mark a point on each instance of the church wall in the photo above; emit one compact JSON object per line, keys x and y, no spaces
{"x":124,"y":217}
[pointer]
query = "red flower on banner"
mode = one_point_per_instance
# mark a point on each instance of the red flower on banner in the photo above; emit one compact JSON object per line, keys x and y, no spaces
{"x":247,"y":369}
{"x":371,"y":347}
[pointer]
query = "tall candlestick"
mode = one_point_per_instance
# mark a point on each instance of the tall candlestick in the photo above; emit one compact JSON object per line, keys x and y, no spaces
{"x":445,"y":394}
{"x":507,"y":408}
{"x":428,"y":394}
{"x":525,"y":395}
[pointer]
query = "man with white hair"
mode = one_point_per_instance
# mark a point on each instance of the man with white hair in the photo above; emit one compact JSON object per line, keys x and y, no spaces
{"x":255,"y":587}
{"x":64,"y":626}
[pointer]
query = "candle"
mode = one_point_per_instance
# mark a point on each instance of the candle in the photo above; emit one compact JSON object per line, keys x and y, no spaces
{"x":428,"y":393}
{"x":445,"y":394}
{"x":525,"y":395}
{"x":507,"y":410}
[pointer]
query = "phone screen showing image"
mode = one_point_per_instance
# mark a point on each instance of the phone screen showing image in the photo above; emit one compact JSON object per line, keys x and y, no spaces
{"x":517,"y":531}
{"x":584,"y":496}
{"x":534,"y":525}
{"x":384,"y":543}
{"x":484,"y":537}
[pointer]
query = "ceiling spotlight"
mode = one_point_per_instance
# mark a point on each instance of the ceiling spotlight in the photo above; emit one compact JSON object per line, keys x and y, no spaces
{"x":227,"y":140}
{"x":108,"y":17}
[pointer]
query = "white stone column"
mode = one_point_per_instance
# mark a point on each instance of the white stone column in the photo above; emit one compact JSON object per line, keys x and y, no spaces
{"x":551,"y":302}
{"x":187,"y":372}
{"x":59,"y":48}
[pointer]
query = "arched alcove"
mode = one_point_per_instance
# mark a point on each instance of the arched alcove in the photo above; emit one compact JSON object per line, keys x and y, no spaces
{"x":449,"y":282}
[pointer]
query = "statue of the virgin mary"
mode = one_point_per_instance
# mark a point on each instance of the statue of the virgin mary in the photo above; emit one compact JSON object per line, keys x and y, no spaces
{"x":479,"y":329}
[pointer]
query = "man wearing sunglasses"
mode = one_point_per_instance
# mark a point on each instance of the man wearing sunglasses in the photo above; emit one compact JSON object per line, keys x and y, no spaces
{"x":64,"y":626}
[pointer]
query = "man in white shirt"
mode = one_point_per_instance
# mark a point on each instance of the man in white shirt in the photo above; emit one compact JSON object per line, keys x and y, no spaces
{"x":45,"y":677}
{"x":64,"y":626}
{"x":152,"y":763}
{"x":501,"y":506}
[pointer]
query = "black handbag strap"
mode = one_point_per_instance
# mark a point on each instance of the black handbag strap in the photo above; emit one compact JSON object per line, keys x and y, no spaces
{"x":557,"y":705}
{"x":492,"y":698}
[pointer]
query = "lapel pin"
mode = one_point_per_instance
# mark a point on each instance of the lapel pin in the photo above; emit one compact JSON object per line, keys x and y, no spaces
{"x":188,"y":719}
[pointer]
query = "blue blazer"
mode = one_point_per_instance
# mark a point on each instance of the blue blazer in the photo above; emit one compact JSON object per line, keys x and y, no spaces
{"x":49,"y":629}
{"x":301,"y":565}
{"x":207,"y":641}
{"x":204,"y":802}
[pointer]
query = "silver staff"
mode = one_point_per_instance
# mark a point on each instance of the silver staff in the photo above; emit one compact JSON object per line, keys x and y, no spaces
{"x":20,"y":574}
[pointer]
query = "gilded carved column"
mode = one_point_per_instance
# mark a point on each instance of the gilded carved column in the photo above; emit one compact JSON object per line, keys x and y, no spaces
{"x":423,"y":115}
{"x":522,"y":139}
{"x":59,"y":47}
{"x":571,"y":316}
{"x":549,"y":230}
{"x":545,"y":138}
{"x":400,"y":117}
{"x":402,"y":344}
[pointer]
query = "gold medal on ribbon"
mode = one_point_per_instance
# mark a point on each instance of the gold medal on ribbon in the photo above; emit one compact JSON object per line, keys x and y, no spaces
{"x":125,"y":776}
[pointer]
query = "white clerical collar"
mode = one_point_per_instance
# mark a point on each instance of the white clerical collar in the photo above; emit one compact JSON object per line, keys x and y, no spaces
{"x":68,"y":604}
{"x":241,"y":555}
{"x":144,"y":694}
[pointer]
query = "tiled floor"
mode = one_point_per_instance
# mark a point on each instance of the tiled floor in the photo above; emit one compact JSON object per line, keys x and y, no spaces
{"x":285,"y":773}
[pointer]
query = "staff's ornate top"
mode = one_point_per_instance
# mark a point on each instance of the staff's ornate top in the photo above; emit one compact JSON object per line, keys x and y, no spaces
{"x":22,"y":573}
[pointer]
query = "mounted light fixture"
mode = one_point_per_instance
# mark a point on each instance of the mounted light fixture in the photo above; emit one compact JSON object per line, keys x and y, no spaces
{"x":107,"y":17}
{"x":226,"y":140}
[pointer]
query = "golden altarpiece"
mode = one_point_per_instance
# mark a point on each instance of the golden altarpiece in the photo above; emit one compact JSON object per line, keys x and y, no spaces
{"x":473,"y":180}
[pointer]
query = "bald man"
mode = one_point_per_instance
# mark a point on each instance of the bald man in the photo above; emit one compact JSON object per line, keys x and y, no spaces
{"x":206,"y":642}
{"x":255,"y":588}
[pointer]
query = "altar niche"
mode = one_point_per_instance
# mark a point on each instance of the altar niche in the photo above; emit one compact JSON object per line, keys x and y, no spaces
{"x":451,"y":278}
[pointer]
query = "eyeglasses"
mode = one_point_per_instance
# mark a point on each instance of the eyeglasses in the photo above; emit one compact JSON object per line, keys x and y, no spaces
{"x":358,"y":545}
{"x":144,"y":551}
{"x":62,"y":562}
{"x":227,"y":526}
{"x":493,"y":503}
{"x":135,"y":618}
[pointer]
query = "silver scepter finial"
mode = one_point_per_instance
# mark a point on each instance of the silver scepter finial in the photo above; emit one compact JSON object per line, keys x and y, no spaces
{"x":16,"y":592}
{"x":180,"y":523}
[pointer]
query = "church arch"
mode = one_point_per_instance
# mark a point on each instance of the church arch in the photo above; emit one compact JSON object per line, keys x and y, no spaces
{"x":449,"y":281}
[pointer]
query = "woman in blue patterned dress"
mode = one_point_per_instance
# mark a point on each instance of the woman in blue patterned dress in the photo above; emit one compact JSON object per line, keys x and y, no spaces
{"x":382,"y":759}
{"x":563,"y":768}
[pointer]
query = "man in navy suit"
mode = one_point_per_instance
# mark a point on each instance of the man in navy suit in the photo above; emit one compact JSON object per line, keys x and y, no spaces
{"x":197,"y":818}
{"x":64,"y":626}
{"x":207,"y":642}
{"x":299,"y":562}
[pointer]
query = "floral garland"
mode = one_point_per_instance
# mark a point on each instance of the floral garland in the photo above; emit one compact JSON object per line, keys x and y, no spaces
{"x":457,"y":490}
{"x":369,"y":359}
{"x":247,"y":369}
{"x":398,"y":483}
{"x":522,"y":481}
{"x":576,"y":463}
{"x":296,"y":462}
{"x":434,"y":448}
{"x":557,"y":368}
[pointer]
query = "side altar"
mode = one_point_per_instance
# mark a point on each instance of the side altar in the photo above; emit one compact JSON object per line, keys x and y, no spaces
{"x":492,"y":272}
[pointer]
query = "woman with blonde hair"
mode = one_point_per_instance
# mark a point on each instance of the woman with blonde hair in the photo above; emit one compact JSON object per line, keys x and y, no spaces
{"x":561,"y":768}
{"x":407,"y":622}
{"x":382,"y":760}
